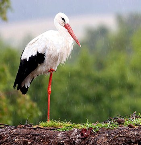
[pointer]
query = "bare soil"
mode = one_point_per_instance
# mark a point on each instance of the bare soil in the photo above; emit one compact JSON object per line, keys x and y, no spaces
{"x":28,"y":134}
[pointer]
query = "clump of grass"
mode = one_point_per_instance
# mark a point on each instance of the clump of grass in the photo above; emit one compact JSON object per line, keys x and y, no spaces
{"x":65,"y":126}
{"x":135,"y":122}
{"x":61,"y":125}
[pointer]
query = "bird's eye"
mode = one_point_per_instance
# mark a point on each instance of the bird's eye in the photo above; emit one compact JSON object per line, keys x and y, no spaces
{"x":63,"y":19}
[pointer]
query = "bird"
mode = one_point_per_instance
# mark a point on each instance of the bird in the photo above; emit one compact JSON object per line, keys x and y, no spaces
{"x":44,"y":53}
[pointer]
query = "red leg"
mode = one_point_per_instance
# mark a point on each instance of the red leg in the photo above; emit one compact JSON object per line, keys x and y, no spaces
{"x":49,"y":92}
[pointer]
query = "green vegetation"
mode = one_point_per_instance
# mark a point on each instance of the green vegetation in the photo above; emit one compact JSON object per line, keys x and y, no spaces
{"x":5,"y":5}
{"x":64,"y":126}
{"x":101,"y":80}
{"x":15,"y":108}
{"x":60,"y":125}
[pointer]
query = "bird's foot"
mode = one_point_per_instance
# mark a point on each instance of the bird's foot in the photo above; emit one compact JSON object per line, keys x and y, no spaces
{"x":51,"y":70}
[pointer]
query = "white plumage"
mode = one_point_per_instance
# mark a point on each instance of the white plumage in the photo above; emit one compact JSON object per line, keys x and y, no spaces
{"x":56,"y":50}
{"x":45,"y":52}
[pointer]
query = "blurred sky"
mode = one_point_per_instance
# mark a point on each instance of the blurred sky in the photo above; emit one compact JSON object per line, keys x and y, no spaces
{"x":33,"y":9}
{"x":33,"y":17}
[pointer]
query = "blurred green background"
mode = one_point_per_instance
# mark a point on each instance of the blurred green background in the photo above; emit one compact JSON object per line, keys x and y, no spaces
{"x":102,"y":79}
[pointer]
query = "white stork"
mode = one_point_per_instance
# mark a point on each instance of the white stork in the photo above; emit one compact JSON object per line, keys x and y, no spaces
{"x":44,"y":53}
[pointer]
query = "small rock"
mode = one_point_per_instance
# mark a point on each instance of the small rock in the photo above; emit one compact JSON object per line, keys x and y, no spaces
{"x":120,"y":121}
{"x":131,"y":126}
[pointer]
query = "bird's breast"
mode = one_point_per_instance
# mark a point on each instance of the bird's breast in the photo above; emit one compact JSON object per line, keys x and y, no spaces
{"x":65,"y":50}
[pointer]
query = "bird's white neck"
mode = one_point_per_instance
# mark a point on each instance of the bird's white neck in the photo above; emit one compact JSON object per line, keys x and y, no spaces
{"x":62,"y":30}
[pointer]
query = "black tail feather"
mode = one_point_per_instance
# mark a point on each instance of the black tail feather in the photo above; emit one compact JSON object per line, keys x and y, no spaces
{"x":25,"y":68}
{"x":24,"y":90}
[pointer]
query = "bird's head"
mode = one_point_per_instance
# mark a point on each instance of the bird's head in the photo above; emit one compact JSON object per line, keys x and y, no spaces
{"x":61,"y":21}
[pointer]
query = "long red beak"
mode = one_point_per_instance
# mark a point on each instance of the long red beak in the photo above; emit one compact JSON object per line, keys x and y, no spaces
{"x":68,"y":27}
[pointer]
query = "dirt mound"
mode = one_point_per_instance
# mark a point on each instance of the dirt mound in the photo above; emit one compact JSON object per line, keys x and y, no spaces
{"x":28,"y":134}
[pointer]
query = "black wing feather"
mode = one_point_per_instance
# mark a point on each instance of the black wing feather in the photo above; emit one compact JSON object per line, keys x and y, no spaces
{"x":25,"y":68}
